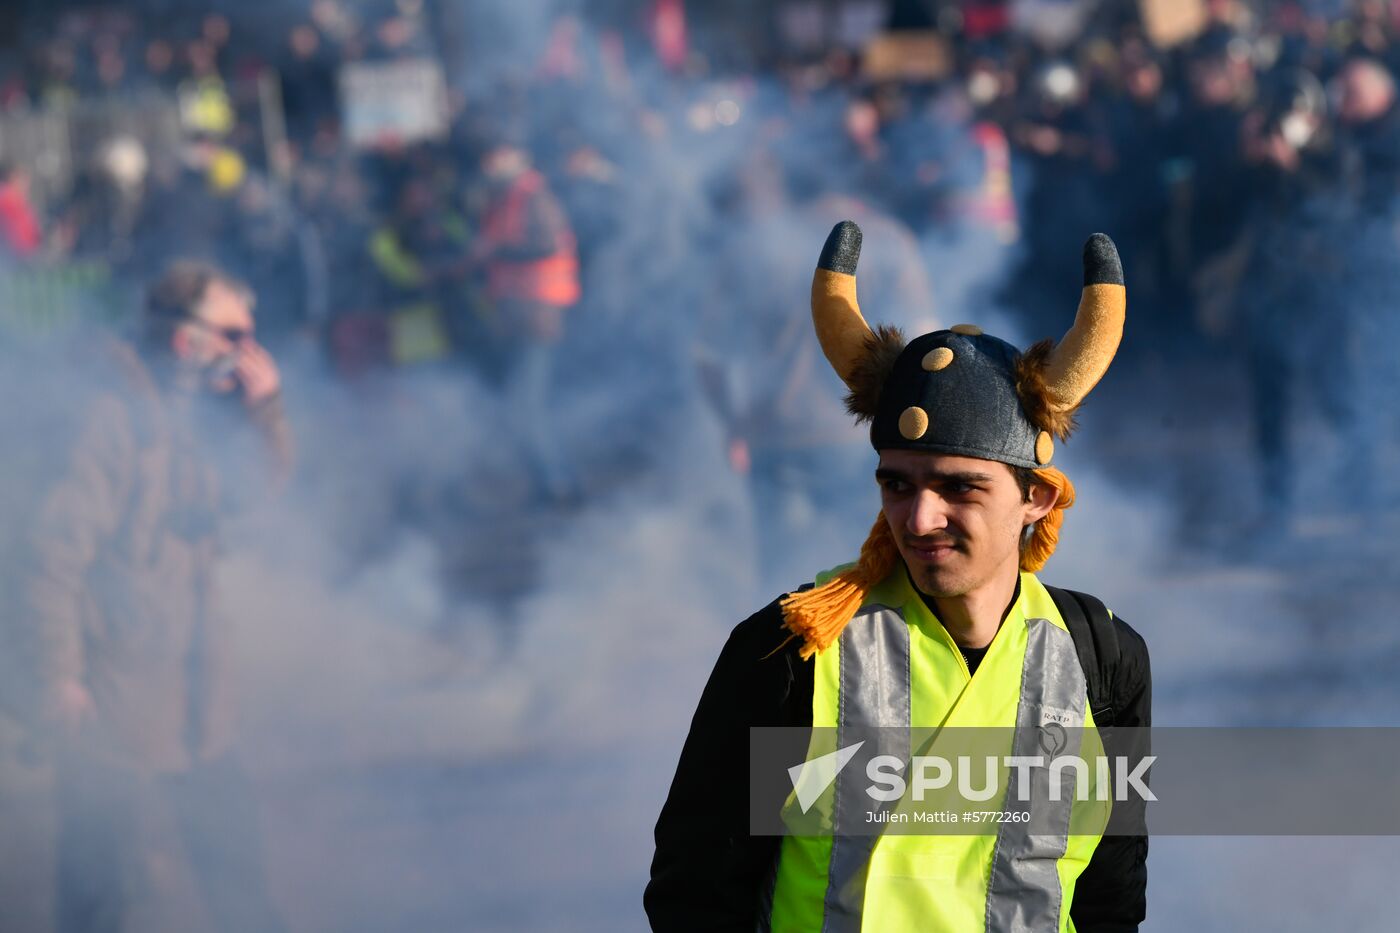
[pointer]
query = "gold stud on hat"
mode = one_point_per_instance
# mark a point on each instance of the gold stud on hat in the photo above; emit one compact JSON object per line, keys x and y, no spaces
{"x":967,"y":330}
{"x":1044,"y":448}
{"x":937,"y":358}
{"x":913,"y":423}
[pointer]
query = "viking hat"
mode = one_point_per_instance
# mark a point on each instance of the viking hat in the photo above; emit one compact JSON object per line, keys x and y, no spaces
{"x":955,"y":391}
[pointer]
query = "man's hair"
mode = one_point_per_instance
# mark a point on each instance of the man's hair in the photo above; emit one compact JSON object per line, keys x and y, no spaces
{"x":1025,"y":479}
{"x":174,"y":298}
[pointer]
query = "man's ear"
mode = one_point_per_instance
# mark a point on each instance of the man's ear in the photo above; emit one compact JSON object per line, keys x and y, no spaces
{"x":1043,"y":498}
{"x":181,"y":342}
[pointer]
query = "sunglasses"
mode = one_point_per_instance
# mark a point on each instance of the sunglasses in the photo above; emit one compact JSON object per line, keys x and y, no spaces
{"x":231,"y":334}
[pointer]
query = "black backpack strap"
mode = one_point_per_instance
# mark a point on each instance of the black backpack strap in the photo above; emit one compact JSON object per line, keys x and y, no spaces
{"x":1096,"y":642}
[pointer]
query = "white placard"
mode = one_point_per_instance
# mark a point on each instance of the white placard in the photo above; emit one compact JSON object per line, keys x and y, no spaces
{"x":392,"y":103}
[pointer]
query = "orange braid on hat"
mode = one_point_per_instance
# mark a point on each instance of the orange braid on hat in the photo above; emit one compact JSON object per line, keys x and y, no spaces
{"x":818,"y":615}
{"x":1047,"y":531}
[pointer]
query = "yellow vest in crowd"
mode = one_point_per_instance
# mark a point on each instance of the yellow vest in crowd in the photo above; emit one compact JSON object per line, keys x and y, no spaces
{"x":896,"y":666}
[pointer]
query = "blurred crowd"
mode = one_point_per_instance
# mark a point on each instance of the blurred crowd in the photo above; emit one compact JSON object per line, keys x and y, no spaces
{"x":398,"y":187}
{"x":512,"y":193}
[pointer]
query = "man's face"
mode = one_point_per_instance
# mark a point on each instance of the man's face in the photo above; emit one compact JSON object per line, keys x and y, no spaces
{"x":211,"y":340}
{"x":1365,"y":92}
{"x":1144,"y":81}
{"x":957,"y":520}
{"x":18,"y":180}
{"x":503,"y":163}
{"x":1214,"y":82}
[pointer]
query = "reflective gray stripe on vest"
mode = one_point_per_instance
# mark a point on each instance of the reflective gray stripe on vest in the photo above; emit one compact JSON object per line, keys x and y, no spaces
{"x":1023,"y":891}
{"x":874,"y":691}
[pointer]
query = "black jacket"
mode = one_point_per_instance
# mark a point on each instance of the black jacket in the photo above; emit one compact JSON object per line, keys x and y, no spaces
{"x":710,"y":874}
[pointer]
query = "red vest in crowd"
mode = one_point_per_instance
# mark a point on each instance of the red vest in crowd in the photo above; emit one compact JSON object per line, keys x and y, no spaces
{"x":984,"y":19}
{"x":19,"y":226}
{"x":994,"y":204}
{"x":552,"y":279}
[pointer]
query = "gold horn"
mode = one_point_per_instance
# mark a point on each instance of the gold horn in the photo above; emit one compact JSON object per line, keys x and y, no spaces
{"x":841,"y":329}
{"x":1079,"y":361}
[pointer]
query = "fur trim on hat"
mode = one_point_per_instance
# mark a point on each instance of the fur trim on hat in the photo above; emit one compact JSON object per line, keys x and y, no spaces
{"x":882,"y":347}
{"x":1035,"y":398}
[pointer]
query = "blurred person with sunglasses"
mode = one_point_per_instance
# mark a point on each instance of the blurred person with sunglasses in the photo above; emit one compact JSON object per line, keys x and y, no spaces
{"x":156,"y":823}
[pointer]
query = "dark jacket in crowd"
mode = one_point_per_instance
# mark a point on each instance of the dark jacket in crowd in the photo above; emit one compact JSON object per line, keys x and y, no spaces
{"x":117,"y":589}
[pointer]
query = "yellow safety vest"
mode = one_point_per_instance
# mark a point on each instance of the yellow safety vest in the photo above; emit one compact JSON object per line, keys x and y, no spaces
{"x":895,"y":666}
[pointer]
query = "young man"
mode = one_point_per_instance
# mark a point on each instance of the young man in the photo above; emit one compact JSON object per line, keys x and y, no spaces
{"x":941,"y":622}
